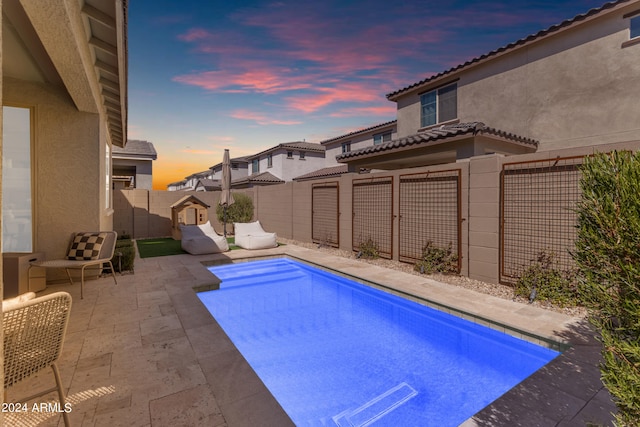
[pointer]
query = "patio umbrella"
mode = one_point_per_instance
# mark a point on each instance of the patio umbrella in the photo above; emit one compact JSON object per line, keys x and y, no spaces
{"x":226,"y":198}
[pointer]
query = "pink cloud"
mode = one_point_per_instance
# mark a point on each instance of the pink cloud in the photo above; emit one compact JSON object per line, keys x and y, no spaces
{"x":194,"y":34}
{"x":260,"y":118}
{"x":247,"y":81}
{"x":378,"y":110}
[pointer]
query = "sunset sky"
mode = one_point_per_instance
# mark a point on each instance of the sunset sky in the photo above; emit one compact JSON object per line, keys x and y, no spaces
{"x":248,"y":75}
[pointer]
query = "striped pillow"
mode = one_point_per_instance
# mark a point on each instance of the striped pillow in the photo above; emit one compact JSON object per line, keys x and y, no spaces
{"x":86,"y":246}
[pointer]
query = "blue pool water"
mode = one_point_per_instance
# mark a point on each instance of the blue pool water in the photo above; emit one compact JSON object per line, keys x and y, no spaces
{"x":334,"y":352}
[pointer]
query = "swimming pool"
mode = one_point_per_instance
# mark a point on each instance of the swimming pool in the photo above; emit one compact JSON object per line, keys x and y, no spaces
{"x":334,"y":352}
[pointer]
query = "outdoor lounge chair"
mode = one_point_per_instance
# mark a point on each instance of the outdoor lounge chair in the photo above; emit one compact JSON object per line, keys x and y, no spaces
{"x":251,"y":235}
{"x":202,"y":239}
{"x":34,"y":331}
{"x":85,"y":249}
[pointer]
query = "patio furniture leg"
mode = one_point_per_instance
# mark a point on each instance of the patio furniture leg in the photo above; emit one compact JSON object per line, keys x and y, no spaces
{"x":61,"y":396}
{"x":113,"y":272}
{"x":69,"y":275}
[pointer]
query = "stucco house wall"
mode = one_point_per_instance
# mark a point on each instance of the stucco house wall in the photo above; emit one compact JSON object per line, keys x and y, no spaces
{"x":67,"y":196}
{"x":576,"y":87}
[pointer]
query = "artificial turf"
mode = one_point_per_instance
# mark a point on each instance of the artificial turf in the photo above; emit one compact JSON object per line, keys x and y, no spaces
{"x":148,"y":248}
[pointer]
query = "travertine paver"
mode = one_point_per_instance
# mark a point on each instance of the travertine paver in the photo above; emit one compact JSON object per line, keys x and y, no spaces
{"x":147,"y":353}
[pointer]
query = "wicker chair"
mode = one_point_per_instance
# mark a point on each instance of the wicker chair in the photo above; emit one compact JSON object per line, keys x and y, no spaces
{"x":34,"y":332}
{"x":104,"y":256}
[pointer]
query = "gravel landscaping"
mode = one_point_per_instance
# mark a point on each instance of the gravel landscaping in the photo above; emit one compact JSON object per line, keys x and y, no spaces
{"x":497,"y":290}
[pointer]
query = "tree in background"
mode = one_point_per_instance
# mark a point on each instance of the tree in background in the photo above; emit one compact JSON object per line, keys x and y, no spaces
{"x":608,"y":258}
{"x":240,"y":211}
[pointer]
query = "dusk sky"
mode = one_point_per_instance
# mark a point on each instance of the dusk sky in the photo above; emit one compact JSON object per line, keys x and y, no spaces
{"x":248,"y":75}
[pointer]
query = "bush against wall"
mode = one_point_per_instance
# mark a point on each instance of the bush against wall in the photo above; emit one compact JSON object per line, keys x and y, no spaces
{"x":608,"y":257}
{"x":124,"y":254}
{"x":437,"y":260}
{"x":543,"y":280}
{"x":240,"y":211}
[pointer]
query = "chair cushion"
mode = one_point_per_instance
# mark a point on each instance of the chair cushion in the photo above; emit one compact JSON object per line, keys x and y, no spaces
{"x":86,"y":246}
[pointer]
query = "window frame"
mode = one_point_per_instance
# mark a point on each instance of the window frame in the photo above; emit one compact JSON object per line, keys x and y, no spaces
{"x":346,"y":147}
{"x":439,"y":97}
{"x":302,"y":155}
{"x":290,"y":154}
{"x":269,"y":160}
{"x":382,"y":136}
{"x":634,"y":28}
{"x":255,"y":166}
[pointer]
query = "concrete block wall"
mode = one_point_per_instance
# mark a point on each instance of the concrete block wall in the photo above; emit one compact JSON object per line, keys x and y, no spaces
{"x":286,"y":208}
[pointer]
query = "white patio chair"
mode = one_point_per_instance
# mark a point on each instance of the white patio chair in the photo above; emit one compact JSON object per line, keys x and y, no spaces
{"x":34,"y":331}
{"x":251,"y":235}
{"x":85,"y":249}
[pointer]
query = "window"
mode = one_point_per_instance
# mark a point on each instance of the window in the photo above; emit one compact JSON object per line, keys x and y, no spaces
{"x":302,"y":155}
{"x":255,"y":166}
{"x":439,"y":105}
{"x":289,"y":154}
{"x":234,"y":166}
{"x":17,"y":209}
{"x":346,"y":147}
{"x":634,"y":27}
{"x":269,"y":160}
{"x":381,"y":137}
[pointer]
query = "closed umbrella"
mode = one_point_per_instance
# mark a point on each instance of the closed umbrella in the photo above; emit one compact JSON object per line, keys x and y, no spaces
{"x":226,"y":198}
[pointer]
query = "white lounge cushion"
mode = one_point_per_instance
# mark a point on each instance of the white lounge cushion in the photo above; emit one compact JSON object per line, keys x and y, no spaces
{"x":202,"y":239}
{"x":251,"y":235}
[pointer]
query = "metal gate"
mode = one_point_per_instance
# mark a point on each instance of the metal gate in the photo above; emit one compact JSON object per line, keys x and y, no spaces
{"x":430,"y":210}
{"x":325,"y":214}
{"x":373,"y":213}
{"x":537,"y":210}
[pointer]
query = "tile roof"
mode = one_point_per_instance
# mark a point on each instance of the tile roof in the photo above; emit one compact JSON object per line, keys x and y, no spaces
{"x":529,"y":39}
{"x":264,"y":177}
{"x":136,"y":148}
{"x":324,"y":173}
{"x":298,"y":145}
{"x":436,"y":135}
{"x":357,"y":132}
{"x":208,"y":184}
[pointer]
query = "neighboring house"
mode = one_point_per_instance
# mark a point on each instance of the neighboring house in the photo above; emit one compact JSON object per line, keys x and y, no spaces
{"x":574,"y":84}
{"x":209,"y":180}
{"x":239,"y":169}
{"x":374,"y":135}
{"x":286,"y":161}
{"x":177,"y":186}
{"x":133,"y":165}
{"x":64,"y":97}
{"x":191,"y":181}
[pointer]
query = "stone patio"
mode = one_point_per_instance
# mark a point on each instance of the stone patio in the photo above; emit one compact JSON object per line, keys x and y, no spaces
{"x":147,"y":353}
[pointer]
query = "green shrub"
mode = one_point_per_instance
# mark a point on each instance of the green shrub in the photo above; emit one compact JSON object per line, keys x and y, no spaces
{"x":607,"y":253}
{"x":127,"y":249}
{"x":542,"y":280}
{"x":240,"y":211}
{"x":368,"y":249}
{"x":437,"y":260}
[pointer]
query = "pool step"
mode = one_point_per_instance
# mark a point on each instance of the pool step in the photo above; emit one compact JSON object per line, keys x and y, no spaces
{"x":252,"y":276}
{"x":376,"y":408}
